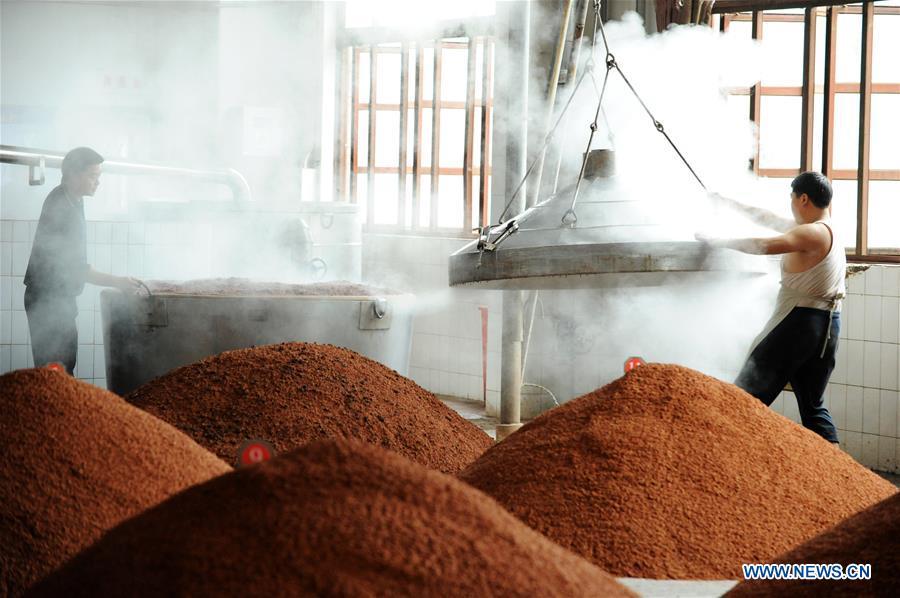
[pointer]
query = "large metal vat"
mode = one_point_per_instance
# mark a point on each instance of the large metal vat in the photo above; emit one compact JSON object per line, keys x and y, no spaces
{"x":145,"y":337}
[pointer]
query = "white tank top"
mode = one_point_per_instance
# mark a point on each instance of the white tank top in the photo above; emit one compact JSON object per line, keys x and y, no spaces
{"x":820,"y":287}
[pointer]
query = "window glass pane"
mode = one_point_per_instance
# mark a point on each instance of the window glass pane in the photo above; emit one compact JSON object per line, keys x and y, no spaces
{"x":820,"y":48}
{"x":385,"y":199}
{"x":450,"y":202}
{"x":886,"y":49}
{"x":843,"y":211}
{"x":884,"y":215}
{"x":479,"y":70}
{"x":773,"y":194}
{"x":410,"y":138}
{"x":428,"y":75}
{"x":818,"y":117}
{"x":454,"y":74}
{"x":453,"y":137}
{"x":424,"y":200}
{"x":387,"y":137}
{"x":846,"y":130}
{"x":362,"y":196}
{"x":885,"y":135}
{"x":476,"y":138}
{"x":779,"y":132}
{"x":363,"y":139}
{"x":742,"y":29}
{"x":738,"y":107}
{"x":409,"y":200}
{"x":362,"y":80}
{"x":388,"y":72}
{"x":782,"y":53}
{"x":476,"y":194}
{"x":413,"y":54}
{"x":425,"y":143}
{"x":848,"y":48}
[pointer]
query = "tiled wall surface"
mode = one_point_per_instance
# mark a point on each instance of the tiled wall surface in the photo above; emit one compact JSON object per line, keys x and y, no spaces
{"x":447,"y":345}
{"x":863,"y":393}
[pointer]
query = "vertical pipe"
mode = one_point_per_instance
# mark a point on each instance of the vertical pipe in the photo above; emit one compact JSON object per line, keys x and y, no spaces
{"x":756,"y":91}
{"x":341,"y":114}
{"x":370,"y":168}
{"x":552,"y":86}
{"x":830,"y":75}
{"x":515,"y":70}
{"x":865,"y":117}
{"x":435,"y":134}
{"x":487,"y":71}
{"x":469,"y":145}
{"x":404,"y":134}
{"x":354,"y":128}
{"x":809,"y":90}
{"x":417,"y":137}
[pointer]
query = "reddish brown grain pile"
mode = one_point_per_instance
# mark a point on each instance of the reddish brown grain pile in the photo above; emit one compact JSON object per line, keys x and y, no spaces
{"x":333,"y":518}
{"x":76,"y":460}
{"x":667,"y":473}
{"x":293,"y":393}
{"x":872,"y":536}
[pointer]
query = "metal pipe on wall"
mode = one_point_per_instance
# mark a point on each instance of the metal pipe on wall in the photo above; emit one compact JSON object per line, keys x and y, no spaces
{"x":39,"y":159}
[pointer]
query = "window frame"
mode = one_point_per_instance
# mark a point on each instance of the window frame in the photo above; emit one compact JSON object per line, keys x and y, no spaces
{"x":347,"y":166}
{"x":807,"y":91}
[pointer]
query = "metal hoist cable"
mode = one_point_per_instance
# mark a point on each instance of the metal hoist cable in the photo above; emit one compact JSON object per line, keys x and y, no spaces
{"x":569,"y":218}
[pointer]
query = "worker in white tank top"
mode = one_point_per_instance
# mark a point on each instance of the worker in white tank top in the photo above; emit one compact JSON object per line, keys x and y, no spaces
{"x":799,"y":342}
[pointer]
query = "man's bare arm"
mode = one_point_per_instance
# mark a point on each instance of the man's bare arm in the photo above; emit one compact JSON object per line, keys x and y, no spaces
{"x":102,"y":279}
{"x":800,"y":238}
{"x":758,"y":215}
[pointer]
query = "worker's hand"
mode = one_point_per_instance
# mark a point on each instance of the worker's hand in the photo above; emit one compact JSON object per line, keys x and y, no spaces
{"x":127,"y":284}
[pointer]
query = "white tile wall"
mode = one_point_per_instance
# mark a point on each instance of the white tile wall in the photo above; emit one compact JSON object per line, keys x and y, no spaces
{"x":867,"y":372}
{"x":15,"y":248}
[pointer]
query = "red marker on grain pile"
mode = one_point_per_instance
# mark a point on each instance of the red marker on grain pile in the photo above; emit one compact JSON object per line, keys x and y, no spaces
{"x":633,"y":362}
{"x":253,"y":452}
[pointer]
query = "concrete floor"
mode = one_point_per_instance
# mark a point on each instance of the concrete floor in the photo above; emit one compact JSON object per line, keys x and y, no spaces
{"x":474,"y":412}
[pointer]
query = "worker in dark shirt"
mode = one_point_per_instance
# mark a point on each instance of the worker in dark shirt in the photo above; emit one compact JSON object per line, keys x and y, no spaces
{"x":58,"y":268}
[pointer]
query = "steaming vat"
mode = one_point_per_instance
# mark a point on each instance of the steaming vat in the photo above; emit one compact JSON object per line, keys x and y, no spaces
{"x":145,"y":337}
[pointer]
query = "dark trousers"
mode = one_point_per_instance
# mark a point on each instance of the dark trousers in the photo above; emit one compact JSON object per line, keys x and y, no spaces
{"x":792,"y":352}
{"x":51,"y":321}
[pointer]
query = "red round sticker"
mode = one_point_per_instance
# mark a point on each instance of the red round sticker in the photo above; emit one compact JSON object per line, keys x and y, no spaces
{"x":253,"y":452}
{"x":56,"y":367}
{"x":633,"y":362}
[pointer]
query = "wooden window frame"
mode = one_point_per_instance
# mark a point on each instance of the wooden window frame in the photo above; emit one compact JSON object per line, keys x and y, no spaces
{"x":863,"y":174}
{"x":412,"y":77}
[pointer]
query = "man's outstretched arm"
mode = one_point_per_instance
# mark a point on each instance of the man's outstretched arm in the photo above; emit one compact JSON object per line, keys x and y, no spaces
{"x":758,"y":215}
{"x":800,"y":238}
